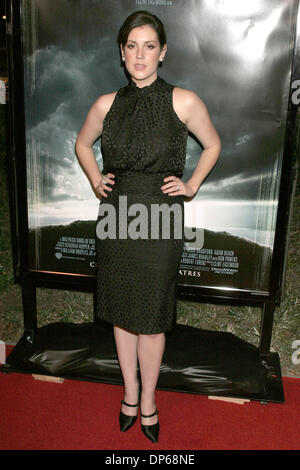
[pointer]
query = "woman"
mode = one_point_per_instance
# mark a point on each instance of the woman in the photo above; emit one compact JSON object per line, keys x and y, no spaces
{"x":144,"y":128}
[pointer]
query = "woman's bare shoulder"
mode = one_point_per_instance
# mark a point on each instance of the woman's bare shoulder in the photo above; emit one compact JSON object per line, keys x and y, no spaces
{"x":186,"y":103}
{"x":103,"y":103}
{"x":186,"y":97}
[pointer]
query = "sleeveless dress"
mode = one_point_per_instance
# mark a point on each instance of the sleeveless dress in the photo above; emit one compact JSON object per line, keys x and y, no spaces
{"x":143,"y":141}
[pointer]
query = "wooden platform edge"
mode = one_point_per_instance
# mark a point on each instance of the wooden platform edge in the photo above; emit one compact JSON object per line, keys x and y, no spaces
{"x":237,"y":401}
{"x":48,"y":378}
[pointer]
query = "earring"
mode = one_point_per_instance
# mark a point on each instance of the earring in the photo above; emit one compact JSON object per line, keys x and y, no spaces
{"x":123,"y":58}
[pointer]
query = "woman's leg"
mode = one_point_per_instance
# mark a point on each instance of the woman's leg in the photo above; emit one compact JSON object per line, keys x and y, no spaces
{"x":126,"y":344}
{"x":150,"y":349}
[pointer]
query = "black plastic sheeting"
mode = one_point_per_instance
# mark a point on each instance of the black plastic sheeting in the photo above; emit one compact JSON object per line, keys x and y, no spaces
{"x":195,"y":360}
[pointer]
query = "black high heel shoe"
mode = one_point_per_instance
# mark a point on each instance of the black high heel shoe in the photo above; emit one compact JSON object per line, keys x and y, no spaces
{"x":152,"y":430}
{"x":127,"y":421}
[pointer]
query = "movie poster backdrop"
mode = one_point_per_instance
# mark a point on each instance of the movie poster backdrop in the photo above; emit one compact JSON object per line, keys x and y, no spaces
{"x":236,"y":55}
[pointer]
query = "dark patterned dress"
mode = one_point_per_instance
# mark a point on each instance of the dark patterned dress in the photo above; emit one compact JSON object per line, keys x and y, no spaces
{"x":143,"y":141}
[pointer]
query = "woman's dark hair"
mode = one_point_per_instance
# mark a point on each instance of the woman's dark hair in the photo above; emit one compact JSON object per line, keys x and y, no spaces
{"x":142,"y":18}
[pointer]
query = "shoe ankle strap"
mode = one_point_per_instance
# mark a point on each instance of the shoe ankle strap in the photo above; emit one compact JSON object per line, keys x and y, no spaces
{"x":150,"y":416}
{"x":127,"y":404}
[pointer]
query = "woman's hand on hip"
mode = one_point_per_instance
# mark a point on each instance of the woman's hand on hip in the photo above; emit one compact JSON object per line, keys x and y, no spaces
{"x":101,"y":186}
{"x":175,"y":186}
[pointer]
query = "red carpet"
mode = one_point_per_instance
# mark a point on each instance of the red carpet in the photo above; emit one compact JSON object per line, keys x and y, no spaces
{"x":78,"y":415}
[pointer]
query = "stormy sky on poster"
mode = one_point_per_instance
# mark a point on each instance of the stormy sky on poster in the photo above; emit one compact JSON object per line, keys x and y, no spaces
{"x":235,"y":55}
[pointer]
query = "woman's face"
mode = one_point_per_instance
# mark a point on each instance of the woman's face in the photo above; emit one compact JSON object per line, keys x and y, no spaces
{"x":142,"y":54}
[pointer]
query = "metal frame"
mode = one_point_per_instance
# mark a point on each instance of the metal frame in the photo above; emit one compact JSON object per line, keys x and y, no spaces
{"x":30,"y":280}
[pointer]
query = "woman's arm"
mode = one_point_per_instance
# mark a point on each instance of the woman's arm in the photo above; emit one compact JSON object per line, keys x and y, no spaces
{"x":89,"y":133}
{"x":193,"y":112}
